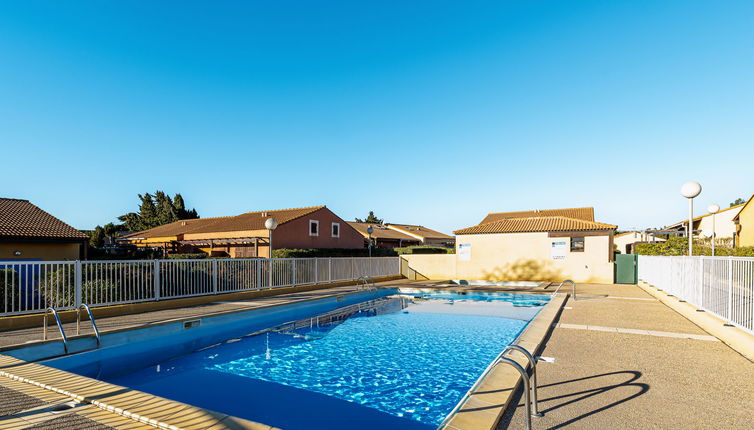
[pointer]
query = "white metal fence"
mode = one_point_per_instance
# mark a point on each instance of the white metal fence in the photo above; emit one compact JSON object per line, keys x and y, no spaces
{"x":33,"y":286}
{"x":723,"y":286}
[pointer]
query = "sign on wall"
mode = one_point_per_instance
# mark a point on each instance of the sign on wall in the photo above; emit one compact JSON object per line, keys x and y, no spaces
{"x":464,"y":251}
{"x":559,"y":249}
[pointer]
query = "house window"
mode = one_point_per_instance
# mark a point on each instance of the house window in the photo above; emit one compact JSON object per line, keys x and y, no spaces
{"x":313,"y":227}
{"x":577,"y":244}
{"x":335,"y":229}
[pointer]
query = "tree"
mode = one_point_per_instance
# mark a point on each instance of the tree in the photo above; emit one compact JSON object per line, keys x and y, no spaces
{"x":96,"y":237}
{"x":738,"y":201}
{"x":371,"y":218}
{"x":155,"y":211}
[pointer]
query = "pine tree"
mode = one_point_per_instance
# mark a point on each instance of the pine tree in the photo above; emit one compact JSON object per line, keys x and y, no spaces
{"x":147,"y":212}
{"x":166,"y":213}
{"x":371,"y":218}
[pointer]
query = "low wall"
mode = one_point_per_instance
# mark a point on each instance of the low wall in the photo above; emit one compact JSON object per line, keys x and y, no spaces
{"x":429,"y":266}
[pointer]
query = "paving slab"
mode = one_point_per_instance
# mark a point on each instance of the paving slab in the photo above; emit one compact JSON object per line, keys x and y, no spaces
{"x":609,"y":380}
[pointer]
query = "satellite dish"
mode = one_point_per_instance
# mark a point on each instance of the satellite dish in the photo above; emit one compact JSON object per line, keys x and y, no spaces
{"x":706,"y":233}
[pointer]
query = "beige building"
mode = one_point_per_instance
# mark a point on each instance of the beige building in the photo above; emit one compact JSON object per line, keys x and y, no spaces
{"x":541,"y":245}
{"x":744,"y":222}
{"x":29,"y":233}
{"x":625,"y":242}
{"x":725,"y":226}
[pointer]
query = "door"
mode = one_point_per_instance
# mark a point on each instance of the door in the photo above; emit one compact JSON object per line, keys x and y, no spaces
{"x":626,"y":268}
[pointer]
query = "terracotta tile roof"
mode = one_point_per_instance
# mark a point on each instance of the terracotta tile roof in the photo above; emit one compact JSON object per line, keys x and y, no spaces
{"x":246,"y":221}
{"x":380,"y":231}
{"x":586,"y":214}
{"x":536,"y":224}
{"x":420,"y":230}
{"x":21,"y":219}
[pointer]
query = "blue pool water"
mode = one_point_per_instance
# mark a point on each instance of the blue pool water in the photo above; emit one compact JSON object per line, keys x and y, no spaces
{"x":403,"y":369}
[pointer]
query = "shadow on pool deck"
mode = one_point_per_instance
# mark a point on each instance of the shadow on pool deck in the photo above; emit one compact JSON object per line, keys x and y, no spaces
{"x":605,"y":379}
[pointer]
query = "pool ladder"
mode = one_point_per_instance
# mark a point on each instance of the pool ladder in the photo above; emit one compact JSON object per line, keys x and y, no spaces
{"x":573,"y":288}
{"x":55,"y":314}
{"x":530,"y":383}
{"x":367,"y":283}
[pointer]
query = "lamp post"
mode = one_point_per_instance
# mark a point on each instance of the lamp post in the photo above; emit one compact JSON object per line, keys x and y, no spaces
{"x":713,"y":209}
{"x":690,"y":190}
{"x":270,"y":224}
{"x":370,"y":230}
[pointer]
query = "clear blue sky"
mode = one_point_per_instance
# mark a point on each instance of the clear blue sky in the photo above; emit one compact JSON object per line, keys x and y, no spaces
{"x":425,"y":112}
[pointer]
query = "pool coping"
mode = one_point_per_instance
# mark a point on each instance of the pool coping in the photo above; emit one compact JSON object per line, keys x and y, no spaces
{"x":485,"y":406}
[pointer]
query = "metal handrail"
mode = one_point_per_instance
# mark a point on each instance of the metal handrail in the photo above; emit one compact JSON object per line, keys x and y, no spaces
{"x":525,"y":376}
{"x":60,"y":327}
{"x":573,"y":288}
{"x":91,"y":318}
{"x":533,"y":377}
{"x":366,"y":281}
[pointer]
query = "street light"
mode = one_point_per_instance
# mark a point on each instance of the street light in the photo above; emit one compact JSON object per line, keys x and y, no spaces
{"x":690,"y":190}
{"x":370,"y":230}
{"x":713,"y":209}
{"x":270,"y":224}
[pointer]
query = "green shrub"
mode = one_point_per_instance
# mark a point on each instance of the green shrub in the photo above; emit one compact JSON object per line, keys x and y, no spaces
{"x":424,"y":249}
{"x":187,"y":256}
{"x":9,"y":289}
{"x":680,"y":246}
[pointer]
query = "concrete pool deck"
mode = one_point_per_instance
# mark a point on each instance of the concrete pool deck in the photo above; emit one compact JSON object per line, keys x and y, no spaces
{"x":625,"y":360}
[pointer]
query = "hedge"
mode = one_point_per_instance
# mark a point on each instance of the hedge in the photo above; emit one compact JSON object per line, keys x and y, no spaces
{"x":680,"y":246}
{"x":424,"y":249}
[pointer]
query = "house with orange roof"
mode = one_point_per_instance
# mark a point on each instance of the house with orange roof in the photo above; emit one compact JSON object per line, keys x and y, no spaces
{"x":245,"y":235}
{"x":539,"y":245}
{"x":29,"y":233}
{"x":425,"y":235}
{"x":542,"y":247}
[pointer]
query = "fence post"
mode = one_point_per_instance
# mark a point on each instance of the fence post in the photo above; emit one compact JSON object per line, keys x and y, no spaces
{"x":294,"y":272}
{"x":316,"y":271}
{"x":214,"y":276}
{"x":353,"y":268}
{"x":156,"y":278}
{"x":730,"y":288}
{"x":259,"y":274}
{"x":77,"y":292}
{"x":329,"y":269}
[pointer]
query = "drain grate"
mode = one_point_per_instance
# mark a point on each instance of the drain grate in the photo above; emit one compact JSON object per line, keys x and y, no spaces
{"x":15,"y":401}
{"x":69,"y":422}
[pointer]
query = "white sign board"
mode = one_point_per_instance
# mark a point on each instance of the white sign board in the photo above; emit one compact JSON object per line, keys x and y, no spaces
{"x":464,"y":251}
{"x":559,"y":249}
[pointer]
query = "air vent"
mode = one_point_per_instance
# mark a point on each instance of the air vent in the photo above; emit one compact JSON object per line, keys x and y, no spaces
{"x":191,"y":324}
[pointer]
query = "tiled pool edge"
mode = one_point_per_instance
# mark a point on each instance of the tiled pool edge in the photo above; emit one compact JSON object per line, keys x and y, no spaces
{"x":135,"y":405}
{"x":486,"y":405}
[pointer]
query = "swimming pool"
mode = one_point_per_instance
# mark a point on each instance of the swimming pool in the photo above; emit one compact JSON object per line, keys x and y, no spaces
{"x":396,"y":361}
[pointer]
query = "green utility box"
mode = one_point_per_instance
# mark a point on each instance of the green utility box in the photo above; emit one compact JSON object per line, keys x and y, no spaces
{"x":626,"y":266}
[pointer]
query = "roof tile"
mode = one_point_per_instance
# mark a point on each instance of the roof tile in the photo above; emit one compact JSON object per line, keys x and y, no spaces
{"x":536,"y":224}
{"x":21,"y":219}
{"x":586,"y":214}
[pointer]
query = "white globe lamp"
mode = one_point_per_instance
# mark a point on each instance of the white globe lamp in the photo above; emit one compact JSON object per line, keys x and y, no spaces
{"x":690,"y":190}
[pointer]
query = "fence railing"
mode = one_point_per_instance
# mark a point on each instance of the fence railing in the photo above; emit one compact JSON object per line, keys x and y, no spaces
{"x":32,"y":286}
{"x":723,"y":286}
